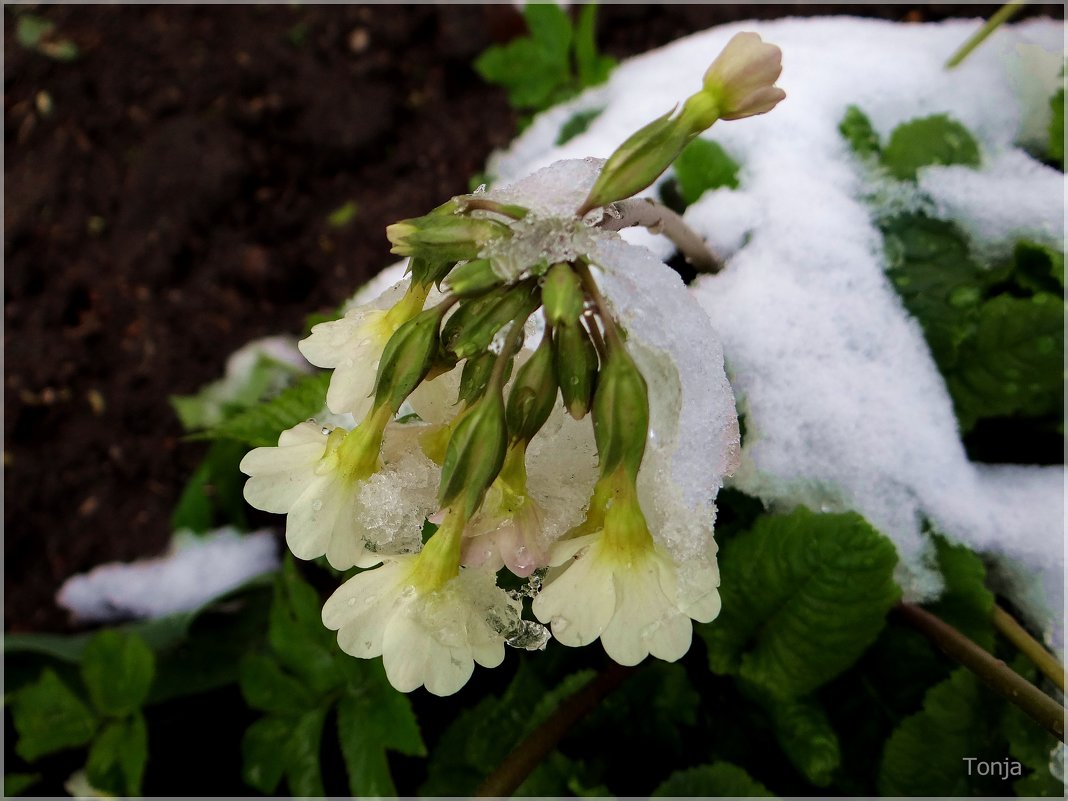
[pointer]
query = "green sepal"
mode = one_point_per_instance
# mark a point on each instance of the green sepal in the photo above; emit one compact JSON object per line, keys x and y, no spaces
{"x":620,"y":414}
{"x":475,"y":453}
{"x":576,"y":367}
{"x":562,"y":295}
{"x":473,"y":278}
{"x":443,"y":237}
{"x":476,"y":375}
{"x":533,"y":393}
{"x":476,"y":323}
{"x":407,"y":358}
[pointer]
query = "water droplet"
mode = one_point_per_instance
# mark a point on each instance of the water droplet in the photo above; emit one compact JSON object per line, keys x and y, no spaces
{"x":561,"y":623}
{"x":352,"y":602}
{"x":317,"y":505}
{"x":325,"y":431}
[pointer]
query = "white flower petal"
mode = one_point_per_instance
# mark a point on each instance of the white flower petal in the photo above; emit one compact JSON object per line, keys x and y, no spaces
{"x":302,"y":434}
{"x":580,"y":602}
{"x":352,"y":388}
{"x":361,"y":607}
{"x":405,"y":651}
{"x":310,"y":523}
{"x":283,"y":458}
{"x":447,"y":669}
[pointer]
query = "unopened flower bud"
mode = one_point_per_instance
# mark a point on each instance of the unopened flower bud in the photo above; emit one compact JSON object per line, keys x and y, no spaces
{"x":429,"y":271}
{"x":475,"y":377}
{"x":473,"y":278}
{"x":561,"y":295}
{"x":638,"y":162}
{"x":475,"y":454}
{"x":533,"y":394}
{"x":476,"y":322}
{"x":443,"y":237}
{"x":576,"y":367}
{"x":407,"y":358}
{"x":620,"y":414}
{"x":741,"y":79}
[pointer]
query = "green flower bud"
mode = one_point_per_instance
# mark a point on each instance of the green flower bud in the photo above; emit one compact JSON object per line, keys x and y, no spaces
{"x":638,"y":161}
{"x":475,"y":377}
{"x":561,"y":295}
{"x":475,"y":324}
{"x":533,"y":393}
{"x":475,"y":454}
{"x":407,"y":358}
{"x":473,"y":278}
{"x":620,"y":414}
{"x":428,"y":271}
{"x":443,"y":237}
{"x":576,"y":367}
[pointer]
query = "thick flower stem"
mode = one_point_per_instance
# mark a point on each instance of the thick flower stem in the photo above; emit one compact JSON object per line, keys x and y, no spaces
{"x":1029,"y":646}
{"x":993,"y":672}
{"x":659,"y":219}
{"x":533,"y":750}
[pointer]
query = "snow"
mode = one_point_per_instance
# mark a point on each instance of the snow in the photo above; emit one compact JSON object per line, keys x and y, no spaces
{"x":194,"y":571}
{"x":844,"y":407}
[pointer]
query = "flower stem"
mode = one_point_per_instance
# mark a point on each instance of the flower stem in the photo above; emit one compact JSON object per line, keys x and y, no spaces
{"x":530,"y":753}
{"x":659,"y":219}
{"x":993,"y":672}
{"x":999,"y":18}
{"x":1029,"y":646}
{"x":594,"y":291}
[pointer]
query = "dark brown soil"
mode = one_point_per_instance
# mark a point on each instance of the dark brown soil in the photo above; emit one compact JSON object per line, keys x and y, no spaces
{"x":172,"y":204}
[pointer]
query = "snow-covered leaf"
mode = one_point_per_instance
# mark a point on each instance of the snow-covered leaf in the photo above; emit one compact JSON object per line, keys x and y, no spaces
{"x":937,"y":139}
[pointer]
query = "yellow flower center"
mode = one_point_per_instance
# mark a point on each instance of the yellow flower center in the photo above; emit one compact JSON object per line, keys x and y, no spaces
{"x":353,"y":455}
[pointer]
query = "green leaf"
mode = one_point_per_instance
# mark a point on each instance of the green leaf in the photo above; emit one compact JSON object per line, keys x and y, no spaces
{"x":265,"y":686}
{"x":117,"y":669}
{"x":1056,"y":128}
{"x":343,"y":214}
{"x":264,"y":753}
{"x":807,"y":738}
{"x":373,"y":717}
{"x":1031,"y":744}
{"x":244,"y":385}
{"x":261,"y":425}
{"x":576,"y":124}
{"x":17,"y":783}
{"x":118,"y":755}
{"x":966,"y":604}
{"x":925,"y":754}
{"x":31,"y":30}
{"x":803,"y":596}
{"x":1038,"y":267}
{"x":297,"y":635}
{"x":931,"y":140}
{"x":703,"y":165}
{"x":1014,"y":364}
{"x":213,"y":495}
{"x":593,"y":68}
{"x":709,"y":781}
{"x":303,"y":771}
{"x":859,"y":133}
{"x":940,"y":284}
{"x":49,"y":717}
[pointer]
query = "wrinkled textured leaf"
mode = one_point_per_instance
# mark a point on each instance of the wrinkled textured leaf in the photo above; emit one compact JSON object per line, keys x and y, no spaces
{"x":373,"y":717}
{"x":263,"y":752}
{"x":807,"y":738}
{"x":296,"y":633}
{"x":265,"y":686}
{"x":803,"y":596}
{"x":931,"y":140}
{"x":966,"y":603}
{"x":721,"y":779}
{"x":303,"y":770}
{"x":49,"y":717}
{"x":118,"y":669}
{"x":703,"y":165}
{"x":260,"y":425}
{"x":925,"y":754}
{"x":118,"y":755}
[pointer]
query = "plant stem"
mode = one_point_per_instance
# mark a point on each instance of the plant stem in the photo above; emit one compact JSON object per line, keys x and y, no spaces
{"x":993,"y":672}
{"x":1029,"y":646}
{"x":530,"y":753}
{"x":1000,"y":17}
{"x":594,"y":291}
{"x":659,"y":219}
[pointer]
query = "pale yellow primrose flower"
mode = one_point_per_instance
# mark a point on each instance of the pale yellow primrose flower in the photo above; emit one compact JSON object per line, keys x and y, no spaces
{"x":742,"y":77}
{"x":353,"y":345}
{"x":618,"y":585}
{"x":424,"y":616}
{"x":311,"y":477}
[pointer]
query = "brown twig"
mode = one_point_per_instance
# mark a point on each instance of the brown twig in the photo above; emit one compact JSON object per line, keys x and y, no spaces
{"x":530,"y":753}
{"x":993,"y":672}
{"x":659,"y":219}
{"x":1029,"y":646}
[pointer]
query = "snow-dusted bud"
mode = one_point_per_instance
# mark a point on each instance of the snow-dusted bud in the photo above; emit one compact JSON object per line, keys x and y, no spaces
{"x":561,"y":295}
{"x":443,"y":237}
{"x":620,"y":414}
{"x":475,"y":454}
{"x":476,"y":322}
{"x":741,"y":79}
{"x":472,"y":278}
{"x":576,"y":367}
{"x":533,"y":394}
{"x":408,"y":357}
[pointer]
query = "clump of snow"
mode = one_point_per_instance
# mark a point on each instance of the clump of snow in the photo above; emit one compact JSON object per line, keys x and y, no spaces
{"x":194,"y":571}
{"x":844,"y":407}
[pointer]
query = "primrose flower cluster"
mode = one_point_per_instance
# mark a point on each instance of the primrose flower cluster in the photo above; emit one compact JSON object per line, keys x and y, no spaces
{"x":522,"y":319}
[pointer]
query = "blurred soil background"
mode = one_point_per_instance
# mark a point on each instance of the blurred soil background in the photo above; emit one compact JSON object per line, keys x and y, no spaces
{"x":167,"y":199}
